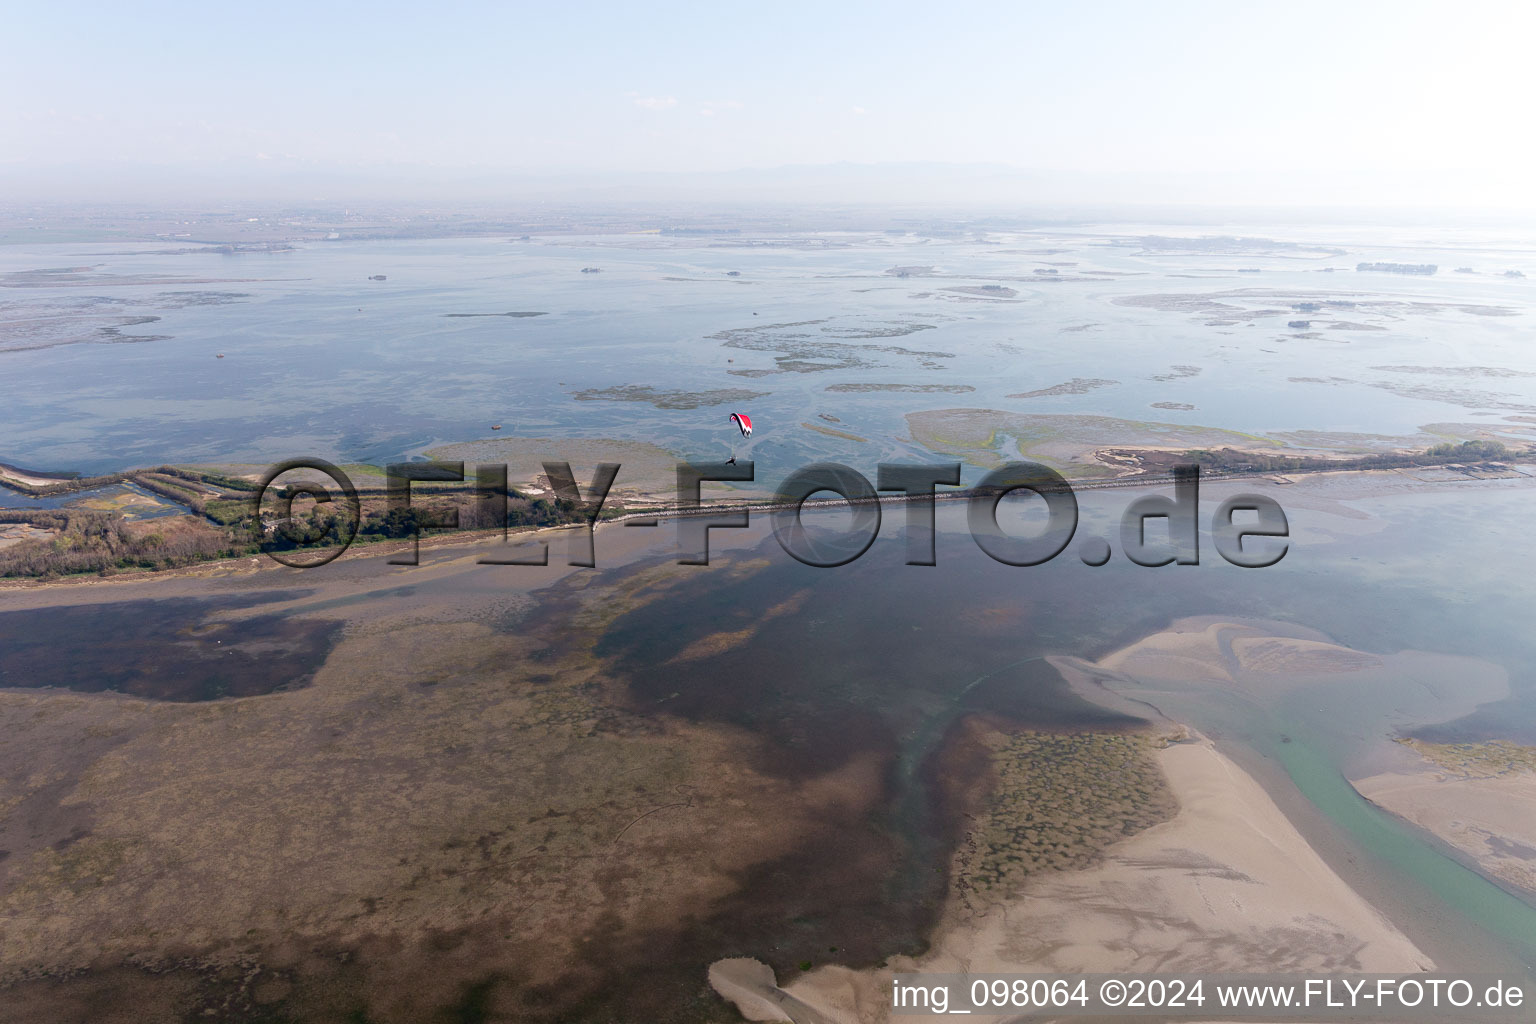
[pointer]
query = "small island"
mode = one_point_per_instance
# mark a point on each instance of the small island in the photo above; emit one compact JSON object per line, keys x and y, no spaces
{"x":1425,"y":269}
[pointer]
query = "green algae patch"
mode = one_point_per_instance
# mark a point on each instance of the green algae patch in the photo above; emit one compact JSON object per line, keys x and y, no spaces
{"x":992,"y":437}
{"x":1058,"y":800}
{"x":647,"y":468}
{"x":830,"y":432}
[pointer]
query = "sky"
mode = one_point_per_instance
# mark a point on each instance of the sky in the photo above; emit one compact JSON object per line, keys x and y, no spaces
{"x":1407,"y":102}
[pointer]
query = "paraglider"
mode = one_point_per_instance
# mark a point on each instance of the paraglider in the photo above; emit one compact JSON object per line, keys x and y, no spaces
{"x":742,"y":422}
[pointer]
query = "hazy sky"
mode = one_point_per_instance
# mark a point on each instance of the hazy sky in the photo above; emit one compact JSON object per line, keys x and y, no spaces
{"x":1430,"y":100}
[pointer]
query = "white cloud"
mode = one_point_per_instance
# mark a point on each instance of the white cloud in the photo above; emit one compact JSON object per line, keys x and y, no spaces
{"x":655,"y":102}
{"x":860,"y":111}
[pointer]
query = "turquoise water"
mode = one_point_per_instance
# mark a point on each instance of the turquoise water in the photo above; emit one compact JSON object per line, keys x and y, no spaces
{"x":1445,"y":884}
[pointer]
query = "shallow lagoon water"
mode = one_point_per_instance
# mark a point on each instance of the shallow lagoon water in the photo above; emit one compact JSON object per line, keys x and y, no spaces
{"x":320,"y":360}
{"x":178,"y":649}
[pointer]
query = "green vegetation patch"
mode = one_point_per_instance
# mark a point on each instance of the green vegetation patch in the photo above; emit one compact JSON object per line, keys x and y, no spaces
{"x":830,"y":432}
{"x":663,"y":399}
{"x":1063,"y":441}
{"x":1060,"y":799}
{"x":1476,"y":760}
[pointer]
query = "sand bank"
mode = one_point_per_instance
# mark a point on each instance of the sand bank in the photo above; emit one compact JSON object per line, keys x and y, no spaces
{"x":1256,"y":662}
{"x":1489,"y":816}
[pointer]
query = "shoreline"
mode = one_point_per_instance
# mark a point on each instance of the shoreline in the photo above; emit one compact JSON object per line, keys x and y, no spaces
{"x":249,"y":565}
{"x":1487,"y":821}
{"x":768,"y":506}
{"x":1158,"y":473}
{"x":1227,"y":884}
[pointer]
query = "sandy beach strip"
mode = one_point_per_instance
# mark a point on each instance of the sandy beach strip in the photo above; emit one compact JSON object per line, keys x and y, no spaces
{"x":1490,"y":819}
{"x":30,"y":479}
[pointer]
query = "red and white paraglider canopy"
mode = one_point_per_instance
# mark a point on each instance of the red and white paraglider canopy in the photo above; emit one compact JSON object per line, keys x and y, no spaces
{"x":743,"y":423}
